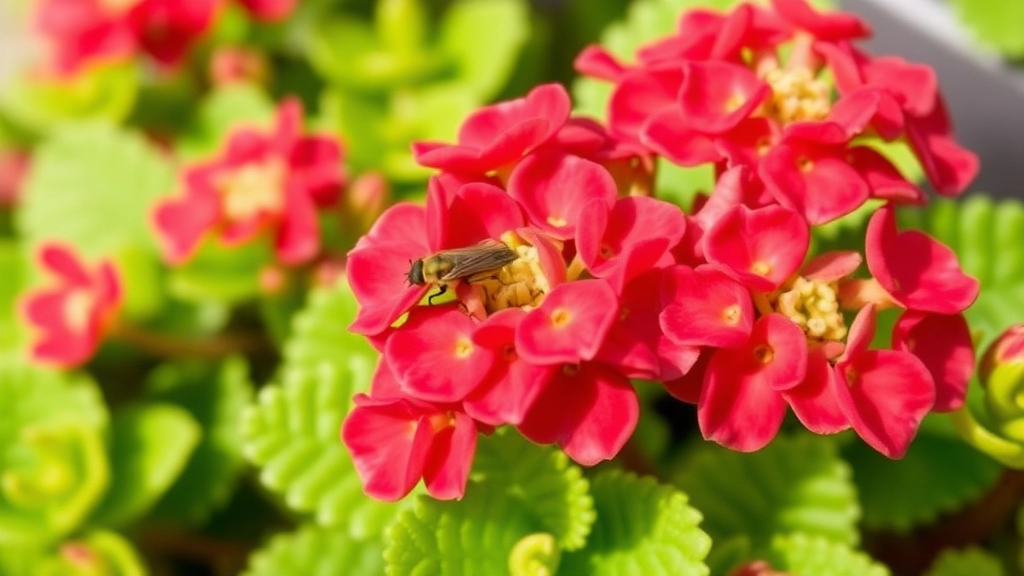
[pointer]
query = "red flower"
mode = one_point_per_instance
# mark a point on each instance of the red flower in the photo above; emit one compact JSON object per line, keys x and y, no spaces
{"x":499,"y":135}
{"x":82,"y":31}
{"x":883,"y":393}
{"x":269,"y":10}
{"x":395,"y":442}
{"x":261,"y":184}
{"x":72,"y":314}
{"x":918,"y":272}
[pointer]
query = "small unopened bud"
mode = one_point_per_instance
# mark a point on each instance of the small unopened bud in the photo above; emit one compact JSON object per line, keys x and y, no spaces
{"x":756,"y":568}
{"x":1008,"y":348}
{"x":329,"y":272}
{"x":273,"y":280}
{"x":366,"y":199}
{"x":232,"y":65}
{"x":79,"y":555}
{"x":14,"y":166}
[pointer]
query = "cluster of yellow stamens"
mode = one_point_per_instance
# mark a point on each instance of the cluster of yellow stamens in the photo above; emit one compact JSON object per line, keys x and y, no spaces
{"x":796,"y":95}
{"x":813,"y":306}
{"x":252,"y":190}
{"x":519,"y":284}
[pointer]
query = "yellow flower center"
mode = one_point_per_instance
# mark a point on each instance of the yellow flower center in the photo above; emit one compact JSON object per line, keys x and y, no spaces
{"x":796,"y":95}
{"x":118,"y":6}
{"x":519,"y":284}
{"x":252,"y":190}
{"x":814,"y":307}
{"x":77,"y":308}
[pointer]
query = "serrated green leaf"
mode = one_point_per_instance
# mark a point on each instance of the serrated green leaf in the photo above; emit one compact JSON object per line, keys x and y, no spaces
{"x":484,"y":37}
{"x":966,"y":562}
{"x":472,"y":536}
{"x":795,"y":484}
{"x":901,"y":494}
{"x":238,"y":104}
{"x":982,"y":232}
{"x":820,"y":556}
{"x":997,"y":23}
{"x":547,"y":483}
{"x":39,"y":105}
{"x":293,"y":434}
{"x":320,"y":334}
{"x":53,"y":464}
{"x":150,"y":444}
{"x":642,"y":528}
{"x":93,"y":186}
{"x":216,"y":399}
{"x":316,"y":550}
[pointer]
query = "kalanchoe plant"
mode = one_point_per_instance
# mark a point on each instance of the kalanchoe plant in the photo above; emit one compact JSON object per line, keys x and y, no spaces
{"x":607,"y":288}
{"x":341,"y":288}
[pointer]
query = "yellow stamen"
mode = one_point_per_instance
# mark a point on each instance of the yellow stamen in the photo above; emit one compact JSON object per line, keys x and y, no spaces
{"x":796,"y":95}
{"x":252,"y":190}
{"x":561,"y":318}
{"x":813,"y":306}
{"x":463,"y":348}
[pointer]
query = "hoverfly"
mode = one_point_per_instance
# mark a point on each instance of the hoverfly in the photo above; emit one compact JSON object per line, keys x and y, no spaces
{"x":448,"y":266}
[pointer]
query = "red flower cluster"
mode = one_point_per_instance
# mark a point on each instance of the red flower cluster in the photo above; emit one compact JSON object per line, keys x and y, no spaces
{"x":722,"y":306}
{"x":546,"y":343}
{"x":82,"y":31}
{"x":261,"y":183}
{"x":720,"y":91}
{"x":73,"y":313}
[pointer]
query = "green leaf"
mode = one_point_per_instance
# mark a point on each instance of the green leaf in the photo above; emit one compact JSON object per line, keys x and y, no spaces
{"x":820,"y":556}
{"x":475,"y":535}
{"x":642,"y":528}
{"x":966,"y":562}
{"x":217,"y":273}
{"x":216,"y":399}
{"x":320,"y":334}
{"x":795,"y":484}
{"x":316,"y":550}
{"x":484,"y":37}
{"x":93,"y":186}
{"x":349,"y":54}
{"x":901,"y":494}
{"x":150,"y":445}
{"x":293,"y":434}
{"x":53,"y":463}
{"x":102,"y":92}
{"x":549,"y":486}
{"x":997,"y":23}
{"x":239,"y":104}
{"x":983,"y":233}
{"x":14,"y":271}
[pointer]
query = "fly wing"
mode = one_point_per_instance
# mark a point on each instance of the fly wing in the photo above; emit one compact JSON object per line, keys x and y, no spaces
{"x":487,"y":255}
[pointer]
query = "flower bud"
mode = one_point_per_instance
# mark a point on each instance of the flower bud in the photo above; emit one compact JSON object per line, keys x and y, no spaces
{"x":14,"y":166}
{"x":1008,"y":348}
{"x":366,"y":199}
{"x":233,"y":64}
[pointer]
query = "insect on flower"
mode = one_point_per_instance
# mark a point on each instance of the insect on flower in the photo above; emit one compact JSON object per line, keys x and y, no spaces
{"x":446,"y":267}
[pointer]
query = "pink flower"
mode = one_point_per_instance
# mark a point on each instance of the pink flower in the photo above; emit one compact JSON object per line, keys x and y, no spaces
{"x":741,"y":405}
{"x":72,"y":314}
{"x":917,"y":271}
{"x":883,"y":393}
{"x":83,"y":31}
{"x":1006,"y":349}
{"x":261,"y":184}
{"x":759,"y":248}
{"x":395,"y":442}
{"x":270,"y":10}
{"x":499,"y":135}
{"x":14,"y":166}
